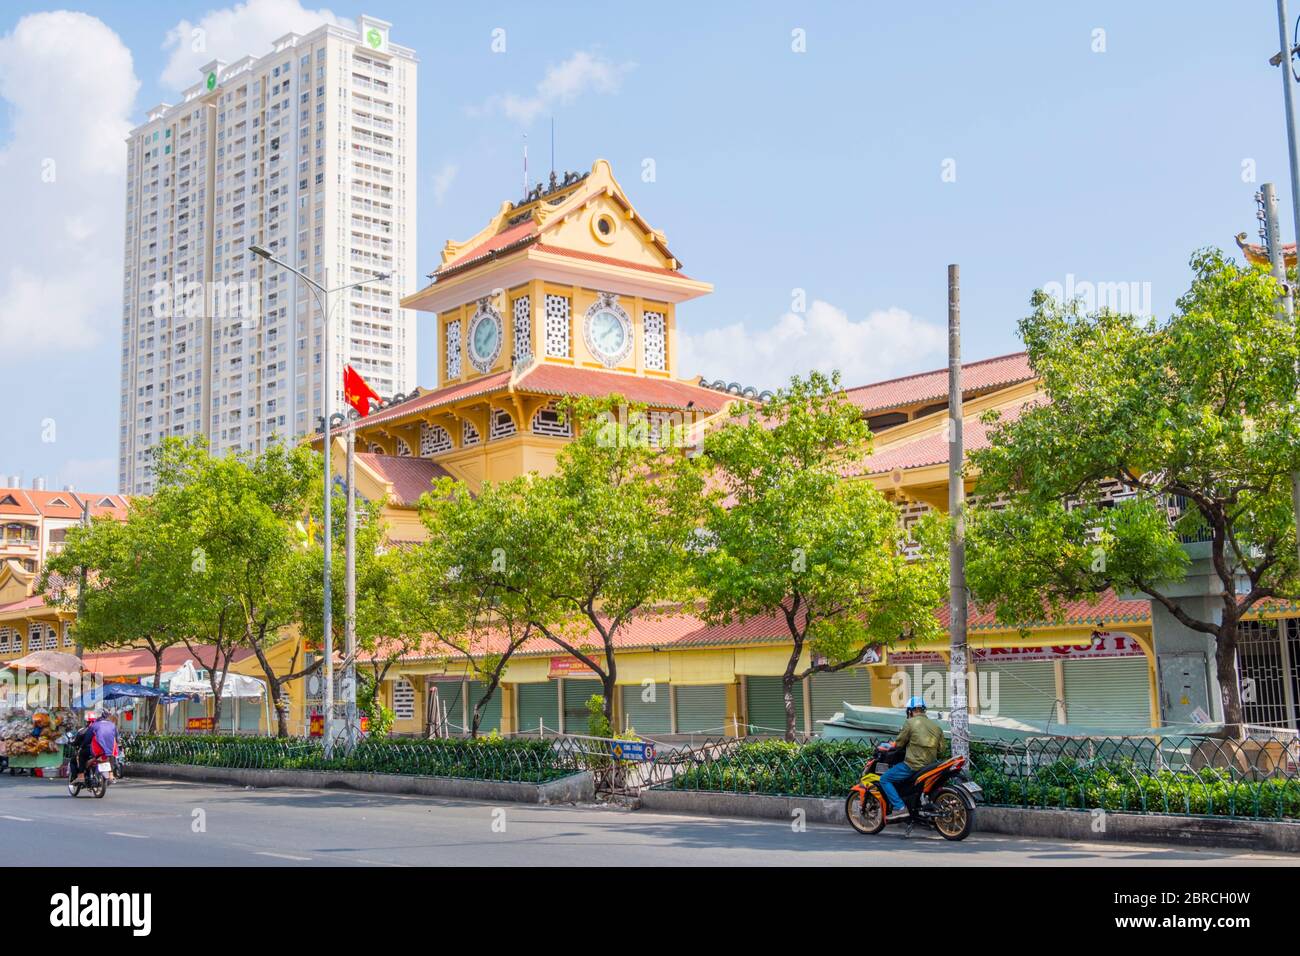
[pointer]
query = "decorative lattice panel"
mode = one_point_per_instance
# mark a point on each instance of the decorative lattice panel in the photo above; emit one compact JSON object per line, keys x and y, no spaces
{"x":469,"y":434}
{"x":551,"y":421}
{"x":67,"y":635}
{"x":655,"y":341}
{"x":403,"y":448}
{"x":503,"y":426}
{"x":433,"y":440}
{"x":523,"y":309}
{"x":4,"y":640}
{"x":453,"y":349}
{"x":557,"y":326}
{"x":403,"y":699}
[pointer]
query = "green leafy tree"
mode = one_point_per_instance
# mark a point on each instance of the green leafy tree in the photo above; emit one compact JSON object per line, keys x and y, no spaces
{"x":788,"y":535}
{"x":1193,"y":420}
{"x":135,"y":573}
{"x":239,"y":513}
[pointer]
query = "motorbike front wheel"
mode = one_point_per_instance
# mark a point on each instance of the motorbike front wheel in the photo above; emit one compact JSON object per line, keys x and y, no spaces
{"x":73,"y":788}
{"x":955,"y":818}
{"x":864,"y":813}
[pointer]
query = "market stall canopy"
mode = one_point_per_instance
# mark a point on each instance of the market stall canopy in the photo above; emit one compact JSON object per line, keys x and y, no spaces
{"x":51,"y":663}
{"x":186,"y":680}
{"x":93,"y":698}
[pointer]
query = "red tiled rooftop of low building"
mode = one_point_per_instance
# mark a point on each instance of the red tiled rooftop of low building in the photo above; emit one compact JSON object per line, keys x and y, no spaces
{"x":933,"y":385}
{"x":410,"y":477}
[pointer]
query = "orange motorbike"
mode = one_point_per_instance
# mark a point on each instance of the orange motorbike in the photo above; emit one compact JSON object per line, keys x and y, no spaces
{"x":938,"y":796}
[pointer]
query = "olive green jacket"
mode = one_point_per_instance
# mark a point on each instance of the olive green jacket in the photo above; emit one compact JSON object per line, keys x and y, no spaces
{"x":923,"y":739}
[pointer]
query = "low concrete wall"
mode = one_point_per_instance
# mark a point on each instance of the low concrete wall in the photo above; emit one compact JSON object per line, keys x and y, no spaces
{"x":577,"y":788}
{"x":1074,"y":825}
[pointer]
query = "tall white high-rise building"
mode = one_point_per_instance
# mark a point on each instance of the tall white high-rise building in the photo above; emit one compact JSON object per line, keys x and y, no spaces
{"x":310,"y":152}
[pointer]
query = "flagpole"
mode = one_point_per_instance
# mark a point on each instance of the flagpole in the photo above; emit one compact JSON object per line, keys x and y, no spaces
{"x":350,"y":605}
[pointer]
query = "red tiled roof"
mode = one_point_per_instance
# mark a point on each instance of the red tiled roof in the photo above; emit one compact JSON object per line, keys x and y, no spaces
{"x":931,"y":448}
{"x":673,"y":628}
{"x":26,"y":604}
{"x":1107,"y":609}
{"x":23,"y":504}
{"x":139,"y":663}
{"x":515,"y":236}
{"x":410,"y":477}
{"x":46,"y":503}
{"x":548,"y":379}
{"x":438,"y":397}
{"x":931,"y":386}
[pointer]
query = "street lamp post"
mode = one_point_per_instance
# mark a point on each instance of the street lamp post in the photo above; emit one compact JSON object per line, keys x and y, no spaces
{"x":323,"y":295}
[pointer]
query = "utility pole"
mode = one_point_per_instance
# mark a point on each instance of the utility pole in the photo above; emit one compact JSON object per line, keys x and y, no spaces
{"x":1283,"y":59}
{"x":350,"y":605}
{"x":959,"y":717}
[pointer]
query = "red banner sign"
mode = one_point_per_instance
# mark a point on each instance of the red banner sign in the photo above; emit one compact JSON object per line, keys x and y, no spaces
{"x":316,"y":725}
{"x":200,"y":723}
{"x":568,"y":666}
{"x":1104,"y":645}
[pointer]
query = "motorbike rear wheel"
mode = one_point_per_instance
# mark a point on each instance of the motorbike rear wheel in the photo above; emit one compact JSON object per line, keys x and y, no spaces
{"x":864,"y":813}
{"x":99,"y":787}
{"x":955,"y":819}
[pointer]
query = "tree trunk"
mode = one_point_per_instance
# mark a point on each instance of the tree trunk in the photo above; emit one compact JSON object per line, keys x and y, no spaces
{"x":281,"y":707}
{"x":1225,"y":659}
{"x":156,"y":709}
{"x":787,"y":695}
{"x":608,"y":689}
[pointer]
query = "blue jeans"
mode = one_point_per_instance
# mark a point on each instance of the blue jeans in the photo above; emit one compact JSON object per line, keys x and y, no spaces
{"x":897,"y":774}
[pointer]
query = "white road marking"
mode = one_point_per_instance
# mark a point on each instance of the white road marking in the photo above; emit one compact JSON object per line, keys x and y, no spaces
{"x":380,"y":863}
{"x":5,"y":816}
{"x":133,"y":836}
{"x":281,"y":856}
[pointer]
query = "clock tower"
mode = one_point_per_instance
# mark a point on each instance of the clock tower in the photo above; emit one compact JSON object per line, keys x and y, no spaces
{"x":567,"y":291}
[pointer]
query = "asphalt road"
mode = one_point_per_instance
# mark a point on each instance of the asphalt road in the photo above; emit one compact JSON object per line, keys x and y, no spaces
{"x":185,"y":824}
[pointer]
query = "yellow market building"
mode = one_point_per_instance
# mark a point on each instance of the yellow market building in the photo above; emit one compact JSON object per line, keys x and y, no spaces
{"x":570,"y":291}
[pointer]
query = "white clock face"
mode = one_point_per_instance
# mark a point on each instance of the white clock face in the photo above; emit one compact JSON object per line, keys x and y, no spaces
{"x":484,"y":340}
{"x":607,"y":333}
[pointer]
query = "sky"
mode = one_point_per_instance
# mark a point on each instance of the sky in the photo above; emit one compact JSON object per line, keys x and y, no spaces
{"x":820,"y":163}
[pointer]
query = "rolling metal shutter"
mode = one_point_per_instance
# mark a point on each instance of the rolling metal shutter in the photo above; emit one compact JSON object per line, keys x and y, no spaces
{"x":933,"y":686}
{"x":576,"y":693}
{"x":1111,"y":695}
{"x":1026,"y":690}
{"x":538,"y":702}
{"x":451,"y":697}
{"x":701,"y":709}
{"x":767,"y":705}
{"x":491,"y":719}
{"x":647,"y":717}
{"x":831,"y":690}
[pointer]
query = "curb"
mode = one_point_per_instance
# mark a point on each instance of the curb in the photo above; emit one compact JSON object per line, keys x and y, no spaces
{"x":576,"y":788}
{"x":1080,"y":826}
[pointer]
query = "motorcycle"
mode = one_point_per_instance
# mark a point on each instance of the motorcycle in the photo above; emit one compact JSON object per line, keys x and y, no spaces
{"x":99,"y":773}
{"x":938,"y":797}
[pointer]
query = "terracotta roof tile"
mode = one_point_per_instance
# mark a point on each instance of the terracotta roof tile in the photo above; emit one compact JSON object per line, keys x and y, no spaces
{"x":139,"y":663}
{"x":410,"y":477}
{"x":519,"y":235}
{"x":932,"y":386}
{"x":931,"y":448}
{"x":547,"y":379}
{"x":606,"y":260}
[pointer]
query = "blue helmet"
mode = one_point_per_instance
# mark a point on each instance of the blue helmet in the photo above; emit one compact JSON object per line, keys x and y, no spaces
{"x":915,"y":703}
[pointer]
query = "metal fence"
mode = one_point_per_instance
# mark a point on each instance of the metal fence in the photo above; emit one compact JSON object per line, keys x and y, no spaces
{"x":480,"y":759}
{"x":1253,"y":778}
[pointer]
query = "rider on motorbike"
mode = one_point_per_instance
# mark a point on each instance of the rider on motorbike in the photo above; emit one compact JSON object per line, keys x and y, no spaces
{"x":103,"y":739}
{"x":923,"y":739}
{"x":81,"y":746}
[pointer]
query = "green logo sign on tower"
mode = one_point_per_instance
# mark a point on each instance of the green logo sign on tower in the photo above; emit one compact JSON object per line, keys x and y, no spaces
{"x":374,"y":38}
{"x":212,"y":81}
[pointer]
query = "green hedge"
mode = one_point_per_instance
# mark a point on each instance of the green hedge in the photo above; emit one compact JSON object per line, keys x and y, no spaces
{"x":1124,"y":784}
{"x":482,"y":758}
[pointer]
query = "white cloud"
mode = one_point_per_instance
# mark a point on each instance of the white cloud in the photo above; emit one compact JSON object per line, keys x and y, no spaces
{"x":70,"y":85}
{"x":581,"y":73}
{"x":442,"y":181}
{"x":885,"y":344}
{"x":230,"y":33}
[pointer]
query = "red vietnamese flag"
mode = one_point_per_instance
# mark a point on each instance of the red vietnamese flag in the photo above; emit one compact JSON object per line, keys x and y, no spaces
{"x":356,"y":392}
